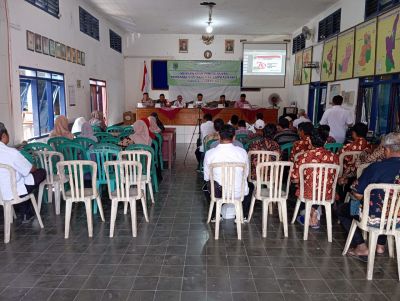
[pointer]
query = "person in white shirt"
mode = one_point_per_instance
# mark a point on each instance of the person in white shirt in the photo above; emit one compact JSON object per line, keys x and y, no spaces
{"x":227,"y":152}
{"x":338,"y":118}
{"x":28,"y":177}
{"x":206,"y":128}
{"x":302,"y":118}
{"x":179,"y":103}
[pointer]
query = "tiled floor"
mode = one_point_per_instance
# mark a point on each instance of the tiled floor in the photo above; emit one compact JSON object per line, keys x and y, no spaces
{"x":175,"y":257}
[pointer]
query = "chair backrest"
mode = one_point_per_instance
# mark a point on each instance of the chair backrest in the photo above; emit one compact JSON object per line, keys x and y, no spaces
{"x":287,"y":147}
{"x":48,"y":161}
{"x":27,"y":156}
{"x":128,"y":130}
{"x":101,"y":156}
{"x":142,"y":156}
{"x":242,"y":138}
{"x":96,"y":129}
{"x":156,"y":146}
{"x":101,"y":135}
{"x":76,"y":134}
{"x":261,"y":157}
{"x":111,"y":140}
{"x":390,"y":213}
{"x":270,"y":175}
{"x":37,"y":146}
{"x":350,"y":158}
{"x":55,"y":142}
{"x":320,"y":174}
{"x":228,"y":180}
{"x":85,"y":142}
{"x":13,"y":182}
{"x":208,"y":145}
{"x":106,"y":146}
{"x":133,"y":147}
{"x":73,"y":172}
{"x":115,"y":130}
{"x":73,"y":151}
{"x":360,"y":169}
{"x":333,"y":147}
{"x":125,"y":174}
{"x":296,"y":156}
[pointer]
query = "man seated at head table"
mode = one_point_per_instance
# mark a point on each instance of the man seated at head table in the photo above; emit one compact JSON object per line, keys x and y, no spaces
{"x":163,"y":101}
{"x":241,"y":102}
{"x":146,"y":100}
{"x":179,"y":103}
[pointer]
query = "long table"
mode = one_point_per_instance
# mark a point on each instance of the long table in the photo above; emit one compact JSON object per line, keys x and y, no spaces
{"x":190,"y":116}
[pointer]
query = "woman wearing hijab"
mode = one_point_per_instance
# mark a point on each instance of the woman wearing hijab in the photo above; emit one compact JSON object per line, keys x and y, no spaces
{"x":97,"y":119}
{"x":153,"y":125}
{"x":159,"y":122}
{"x":141,"y":135}
{"x":77,"y":127}
{"x":61,"y":128}
{"x":87,"y":132}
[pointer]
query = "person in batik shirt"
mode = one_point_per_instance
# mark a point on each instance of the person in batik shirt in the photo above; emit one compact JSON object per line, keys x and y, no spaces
{"x":316,"y":155}
{"x":325,"y":129}
{"x":304,"y":144}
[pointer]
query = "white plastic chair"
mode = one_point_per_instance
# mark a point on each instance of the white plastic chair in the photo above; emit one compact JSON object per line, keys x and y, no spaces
{"x":72,"y":172}
{"x":351,"y":155}
{"x":388,"y":227}
{"x":360,"y":170}
{"x":228,"y":177}
{"x":16,"y":199}
{"x":128,"y":189}
{"x":261,"y":157}
{"x":320,"y":175}
{"x":272,"y":187}
{"x":48,"y":160}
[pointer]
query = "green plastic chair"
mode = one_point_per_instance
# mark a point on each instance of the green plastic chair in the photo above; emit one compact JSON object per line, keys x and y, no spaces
{"x":111,"y":140}
{"x":85,"y":142}
{"x":153,"y":172}
{"x":102,"y":135}
{"x":126,"y":132}
{"x":107,"y":146}
{"x":208,"y":145}
{"x":100,"y":156}
{"x":73,"y":151}
{"x":96,"y":129}
{"x":27,"y":156}
{"x":287,"y":148}
{"x":160,"y":142}
{"x":115,"y":130}
{"x":37,"y":146}
{"x":57,"y":141}
{"x":156,"y":148}
{"x":250,"y":142}
{"x":77,"y":134}
{"x":242,"y":138}
{"x":333,"y":147}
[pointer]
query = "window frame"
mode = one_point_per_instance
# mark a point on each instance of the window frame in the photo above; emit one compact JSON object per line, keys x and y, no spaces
{"x":116,"y":36}
{"x":299,"y":39}
{"x":325,"y":22}
{"x":44,"y":9}
{"x":92,"y":18}
{"x":380,"y":8}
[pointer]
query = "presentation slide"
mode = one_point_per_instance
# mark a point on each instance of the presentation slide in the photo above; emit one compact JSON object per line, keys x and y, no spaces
{"x":264,"y":65}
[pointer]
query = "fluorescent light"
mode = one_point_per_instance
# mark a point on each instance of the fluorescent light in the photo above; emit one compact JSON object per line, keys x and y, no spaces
{"x":209,"y":28}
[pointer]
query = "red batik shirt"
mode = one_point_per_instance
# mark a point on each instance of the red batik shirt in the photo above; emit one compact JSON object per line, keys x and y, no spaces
{"x":262,"y":145}
{"x":301,"y":146}
{"x":316,"y":155}
{"x":349,"y":165}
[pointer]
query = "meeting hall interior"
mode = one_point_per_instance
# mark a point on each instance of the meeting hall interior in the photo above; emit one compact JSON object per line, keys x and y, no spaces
{"x":200,"y":150}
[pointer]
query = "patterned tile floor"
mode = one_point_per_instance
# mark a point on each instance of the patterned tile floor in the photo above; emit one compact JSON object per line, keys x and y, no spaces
{"x":175,"y":256}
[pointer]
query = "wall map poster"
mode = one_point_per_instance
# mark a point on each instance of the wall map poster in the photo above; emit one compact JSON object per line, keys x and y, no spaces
{"x":329,"y":60}
{"x":345,"y":55}
{"x":298,"y":66}
{"x":365,"y":49}
{"x":388,"y":43}
{"x":306,"y":73}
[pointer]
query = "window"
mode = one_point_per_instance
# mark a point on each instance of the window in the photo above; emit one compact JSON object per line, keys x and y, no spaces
{"x":115,"y":41}
{"x":42,"y":97}
{"x":98,"y":96}
{"x":89,"y":24}
{"x":299,"y":43}
{"x":316,"y":101}
{"x":50,"y":6}
{"x":374,"y":7}
{"x":329,"y":26}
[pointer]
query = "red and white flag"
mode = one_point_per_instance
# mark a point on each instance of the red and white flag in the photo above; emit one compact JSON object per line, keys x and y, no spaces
{"x":146,"y":80}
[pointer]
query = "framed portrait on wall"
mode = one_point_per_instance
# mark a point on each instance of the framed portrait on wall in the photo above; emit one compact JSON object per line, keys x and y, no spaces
{"x":30,"y":40}
{"x":68,"y":53}
{"x":78,"y":57}
{"x":38,"y":43}
{"x":229,"y":46}
{"x":183,"y":45}
{"x":73,"y":55}
{"x":45,"y":45}
{"x":52,"y":47}
{"x":63,"y":52}
{"x":83,"y":59}
{"x":58,"y":50}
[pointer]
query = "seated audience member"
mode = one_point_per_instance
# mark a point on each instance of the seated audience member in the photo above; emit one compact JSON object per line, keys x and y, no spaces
{"x":304,"y":144}
{"x":98,"y":120}
{"x":179,"y":103}
{"x":241,"y":102}
{"x":258,"y":129}
{"x":242,"y":128}
{"x":87,"y":132}
{"x":265,"y":144}
{"x":28,"y":177}
{"x":159,"y":122}
{"x":218,"y":124}
{"x":147,"y":101}
{"x":227,"y":152}
{"x":153,"y":125}
{"x":370,"y":157}
{"x":285,"y":135}
{"x":77,"y":126}
{"x":234,"y":121}
{"x":384,"y":172}
{"x":206,"y":128}
{"x":324,"y":130}
{"x":302,"y":117}
{"x":141,"y":135}
{"x":316,"y":155}
{"x":61,"y":128}
{"x":259,"y":118}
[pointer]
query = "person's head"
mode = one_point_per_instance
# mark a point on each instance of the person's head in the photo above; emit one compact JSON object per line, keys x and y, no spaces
{"x":305,"y":129}
{"x":259,"y":126}
{"x":226,"y":134}
{"x":207,"y":117}
{"x":301,"y":113}
{"x":2,"y":125}
{"x":242,"y":123}
{"x":359,"y":130}
{"x":337,"y":100}
{"x":222,"y":99}
{"x":323,"y":131}
{"x":218,"y":124}
{"x":270,"y":131}
{"x":180,"y":98}
{"x":145,"y":96}
{"x":199,"y":97}
{"x":242,"y":97}
{"x":283,"y":123}
{"x":162,"y":97}
{"x":391,"y":144}
{"x":234,"y":120}
{"x":318,"y":140}
{"x":4,"y":137}
{"x":155,"y":115}
{"x":259,"y":116}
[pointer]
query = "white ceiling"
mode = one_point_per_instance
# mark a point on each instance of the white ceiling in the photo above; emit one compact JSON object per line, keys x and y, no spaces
{"x":229,"y":16}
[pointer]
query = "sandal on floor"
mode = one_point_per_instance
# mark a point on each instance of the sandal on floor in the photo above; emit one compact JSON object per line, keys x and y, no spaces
{"x":362,"y":258}
{"x":316,"y":226}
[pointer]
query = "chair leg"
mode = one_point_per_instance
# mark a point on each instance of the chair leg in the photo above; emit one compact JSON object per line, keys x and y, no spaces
{"x":49,"y":194}
{"x":100,"y":205}
{"x":7,"y":222}
{"x":239,"y":213}
{"x":265,"y":207}
{"x":212,"y":203}
{"x":271,"y":208}
{"x":114,"y":209}
{"x":353,"y":229}
{"x":151,"y":192}
{"x":328,"y":211}
{"x":40,"y":195}
{"x":397,"y":239}
{"x":133,"y":217}
{"x":284,"y":218}
{"x":35,"y":207}
{"x":373,"y":239}
{"x":89,"y":217}
{"x":390,"y":246}
{"x":57,"y":197}
{"x":307,"y":220}
{"x":68,"y":210}
{"x":125,"y":208}
{"x":296,"y":211}
{"x":279,"y":210}
{"x":217,"y":219}
{"x":144,"y":207}
{"x":253,"y":201}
